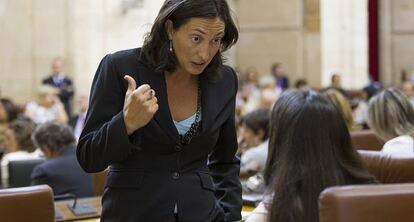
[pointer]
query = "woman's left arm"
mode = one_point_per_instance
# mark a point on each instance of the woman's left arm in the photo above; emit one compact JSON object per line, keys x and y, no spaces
{"x":225,"y":167}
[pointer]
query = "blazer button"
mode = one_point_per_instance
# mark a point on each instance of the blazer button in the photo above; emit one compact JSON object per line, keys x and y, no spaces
{"x":175,"y":175}
{"x":178,"y":147}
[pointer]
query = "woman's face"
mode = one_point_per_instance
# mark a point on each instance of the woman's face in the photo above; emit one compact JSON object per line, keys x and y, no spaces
{"x":248,"y":138}
{"x":196,"y":43}
{"x":48,"y":100}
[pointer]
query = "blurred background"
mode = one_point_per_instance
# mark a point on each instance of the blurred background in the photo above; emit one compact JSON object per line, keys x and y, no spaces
{"x":311,"y":39}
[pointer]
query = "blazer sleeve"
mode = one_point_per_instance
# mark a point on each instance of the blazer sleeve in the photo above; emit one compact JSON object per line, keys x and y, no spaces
{"x":104,"y":139}
{"x":39,"y":176}
{"x":225,"y":168}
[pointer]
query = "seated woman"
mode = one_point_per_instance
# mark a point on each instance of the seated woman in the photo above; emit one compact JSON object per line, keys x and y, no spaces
{"x":391,"y":117}
{"x":18,"y":145}
{"x":339,"y":100}
{"x":8,"y":112}
{"x":254,"y":133}
{"x":48,"y":107}
{"x":309,"y":150}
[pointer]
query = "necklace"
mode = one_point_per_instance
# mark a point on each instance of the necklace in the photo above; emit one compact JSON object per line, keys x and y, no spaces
{"x":195,"y":126}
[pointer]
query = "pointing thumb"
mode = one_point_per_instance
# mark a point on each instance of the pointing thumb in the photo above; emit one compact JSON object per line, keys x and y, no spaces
{"x":132,"y":85}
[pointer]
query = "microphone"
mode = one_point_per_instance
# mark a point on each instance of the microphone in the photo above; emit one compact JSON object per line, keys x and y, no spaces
{"x":77,"y":209}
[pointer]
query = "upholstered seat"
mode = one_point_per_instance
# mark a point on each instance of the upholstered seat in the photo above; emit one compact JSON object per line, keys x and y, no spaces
{"x":24,"y":204}
{"x":367,"y":203}
{"x":366,"y":140}
{"x":389,"y":168}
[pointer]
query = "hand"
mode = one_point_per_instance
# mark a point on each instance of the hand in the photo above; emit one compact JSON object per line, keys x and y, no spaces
{"x":140,"y":105}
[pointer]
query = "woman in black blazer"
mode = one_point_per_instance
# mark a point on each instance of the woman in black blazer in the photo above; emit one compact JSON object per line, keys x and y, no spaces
{"x":171,"y":142}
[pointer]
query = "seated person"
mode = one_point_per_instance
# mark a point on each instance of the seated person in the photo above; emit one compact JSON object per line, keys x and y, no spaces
{"x":391,"y":117}
{"x":8,"y":112}
{"x":309,"y":150}
{"x":47,"y":107}
{"x":338,"y":100}
{"x":61,"y":170}
{"x":254,"y":134}
{"x":17,"y":145}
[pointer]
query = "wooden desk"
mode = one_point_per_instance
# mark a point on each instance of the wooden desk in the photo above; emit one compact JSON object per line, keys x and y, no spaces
{"x":67,"y":214}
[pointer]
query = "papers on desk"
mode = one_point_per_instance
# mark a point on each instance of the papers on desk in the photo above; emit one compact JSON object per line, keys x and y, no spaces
{"x":252,"y":199}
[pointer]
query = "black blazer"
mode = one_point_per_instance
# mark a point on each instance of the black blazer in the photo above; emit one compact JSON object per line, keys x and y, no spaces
{"x":64,"y":175}
{"x":150,"y":173}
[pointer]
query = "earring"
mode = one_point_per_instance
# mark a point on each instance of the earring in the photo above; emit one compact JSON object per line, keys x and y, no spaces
{"x":171,"y":47}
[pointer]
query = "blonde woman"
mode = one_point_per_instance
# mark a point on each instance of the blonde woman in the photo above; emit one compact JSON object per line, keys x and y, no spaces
{"x":48,"y":107}
{"x":338,"y":100}
{"x":391,"y":117}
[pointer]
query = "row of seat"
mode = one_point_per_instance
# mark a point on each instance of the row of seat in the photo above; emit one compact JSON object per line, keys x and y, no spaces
{"x":357,"y":203}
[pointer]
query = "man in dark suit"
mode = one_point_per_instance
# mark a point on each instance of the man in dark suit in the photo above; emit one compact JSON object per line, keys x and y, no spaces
{"x":59,"y":80}
{"x":61,"y":170}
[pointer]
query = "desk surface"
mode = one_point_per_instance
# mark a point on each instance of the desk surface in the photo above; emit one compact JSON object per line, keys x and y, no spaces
{"x":95,"y":202}
{"x":67,"y":214}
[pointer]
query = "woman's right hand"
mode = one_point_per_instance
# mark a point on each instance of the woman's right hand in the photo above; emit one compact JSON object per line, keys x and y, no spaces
{"x":140,"y":105}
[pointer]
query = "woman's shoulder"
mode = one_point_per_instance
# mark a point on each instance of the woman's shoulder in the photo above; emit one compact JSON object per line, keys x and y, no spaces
{"x":399,"y":145}
{"x":228,"y":77}
{"x":125,"y":60}
{"x":127,"y":54}
{"x":229,"y":73}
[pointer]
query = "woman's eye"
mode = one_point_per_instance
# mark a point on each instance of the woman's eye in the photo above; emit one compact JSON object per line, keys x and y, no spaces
{"x":217,"y":41}
{"x":195,"y":39}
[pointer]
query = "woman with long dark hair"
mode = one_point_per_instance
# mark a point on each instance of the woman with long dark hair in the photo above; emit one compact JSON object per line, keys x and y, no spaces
{"x":309,"y":150}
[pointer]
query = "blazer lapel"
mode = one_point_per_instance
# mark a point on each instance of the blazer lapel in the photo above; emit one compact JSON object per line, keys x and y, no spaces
{"x":213,"y":100}
{"x":163,"y":116}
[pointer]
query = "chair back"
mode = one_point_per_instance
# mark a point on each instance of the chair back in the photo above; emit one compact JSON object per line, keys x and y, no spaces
{"x":367,"y":203}
{"x":389,"y":168}
{"x":24,"y":204}
{"x":366,"y":140}
{"x":20,"y":171}
{"x":99,"y":180}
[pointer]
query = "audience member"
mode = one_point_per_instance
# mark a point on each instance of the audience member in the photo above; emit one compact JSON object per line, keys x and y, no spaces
{"x":309,"y":150}
{"x":3,"y":140}
{"x":8,"y":111}
{"x":339,"y":101}
{"x":18,"y":145}
{"x":254,"y":133}
{"x":77,"y":122}
{"x":60,"y":81}
{"x":302,"y":84}
{"x":360,"y":112}
{"x":408,"y":89}
{"x":61,"y":170}
{"x":268,"y":98}
{"x":336,"y":83}
{"x":281,"y":81}
{"x":48,"y":107}
{"x":391,"y":117}
{"x":250,"y":91}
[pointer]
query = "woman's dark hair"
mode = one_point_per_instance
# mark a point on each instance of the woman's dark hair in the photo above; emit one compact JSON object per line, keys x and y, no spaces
{"x":10,"y":109}
{"x":257,"y":121}
{"x":309,"y":150}
{"x":22,"y":129}
{"x":156,"y":44}
{"x":56,"y":136}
